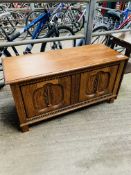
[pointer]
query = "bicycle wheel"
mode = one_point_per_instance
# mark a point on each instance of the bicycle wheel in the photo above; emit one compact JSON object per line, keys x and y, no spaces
{"x":72,"y":18}
{"x":99,"y":39}
{"x":12,"y":21}
{"x":30,"y":18}
{"x":79,"y":20}
{"x":8,"y":25}
{"x":17,"y":18}
{"x":63,"y":31}
{"x":98,"y":19}
{"x":1,"y":36}
{"x":7,"y":5}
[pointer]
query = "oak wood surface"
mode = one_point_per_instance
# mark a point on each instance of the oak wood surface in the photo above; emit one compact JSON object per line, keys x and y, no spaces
{"x":27,"y":67}
{"x":46,"y":96}
{"x":97,"y":82}
{"x":48,"y":84}
{"x":19,"y":106}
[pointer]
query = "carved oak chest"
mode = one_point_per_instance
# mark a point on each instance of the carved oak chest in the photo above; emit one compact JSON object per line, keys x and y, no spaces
{"x":48,"y":84}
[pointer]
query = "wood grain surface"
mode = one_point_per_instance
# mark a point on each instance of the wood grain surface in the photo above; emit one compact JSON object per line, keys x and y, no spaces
{"x":27,"y":67}
{"x":48,"y":84}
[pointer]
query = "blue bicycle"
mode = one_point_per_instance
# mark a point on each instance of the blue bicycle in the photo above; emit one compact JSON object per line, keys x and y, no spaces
{"x":66,"y":14}
{"x":53,"y":30}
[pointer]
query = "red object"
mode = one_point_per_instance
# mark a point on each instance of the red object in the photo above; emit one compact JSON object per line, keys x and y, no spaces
{"x":122,"y":5}
{"x":104,"y":5}
{"x":125,"y":23}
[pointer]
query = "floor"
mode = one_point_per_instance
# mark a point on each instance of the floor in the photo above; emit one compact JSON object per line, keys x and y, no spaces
{"x":92,"y":141}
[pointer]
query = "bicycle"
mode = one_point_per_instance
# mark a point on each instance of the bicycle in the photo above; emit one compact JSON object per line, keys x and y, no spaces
{"x":72,"y":16}
{"x":65,"y":13}
{"x":10,"y":20}
{"x":53,"y":31}
{"x":5,"y":20}
{"x":117,"y":20}
{"x":16,"y":5}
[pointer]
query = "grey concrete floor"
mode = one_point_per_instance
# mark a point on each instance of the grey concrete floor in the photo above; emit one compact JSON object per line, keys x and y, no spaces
{"x":92,"y":141}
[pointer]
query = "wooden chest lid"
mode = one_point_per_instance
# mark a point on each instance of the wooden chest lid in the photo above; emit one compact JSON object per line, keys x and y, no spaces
{"x":27,"y":67}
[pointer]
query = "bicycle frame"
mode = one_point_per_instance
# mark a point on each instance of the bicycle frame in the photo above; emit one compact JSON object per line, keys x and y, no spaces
{"x":126,"y":12}
{"x":70,"y":13}
{"x":124,"y":23}
{"x":83,"y":14}
{"x":126,"y":17}
{"x":41,"y":20}
{"x":59,"y":8}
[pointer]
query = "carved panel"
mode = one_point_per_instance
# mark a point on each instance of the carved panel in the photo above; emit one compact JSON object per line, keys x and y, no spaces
{"x":103,"y":81}
{"x":91,"y":85}
{"x":46,"y":96}
{"x":97,"y":82}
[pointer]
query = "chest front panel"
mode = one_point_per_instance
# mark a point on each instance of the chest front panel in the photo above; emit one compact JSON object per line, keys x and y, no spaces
{"x":46,"y":96}
{"x":97,"y":82}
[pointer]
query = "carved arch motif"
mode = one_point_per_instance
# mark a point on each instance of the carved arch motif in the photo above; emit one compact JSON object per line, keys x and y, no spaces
{"x":97,"y":83}
{"x":49,"y":96}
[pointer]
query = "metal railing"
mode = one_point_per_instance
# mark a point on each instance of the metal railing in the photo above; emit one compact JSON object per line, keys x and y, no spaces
{"x":88,"y":26}
{"x":29,"y":1}
{"x":37,"y":41}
